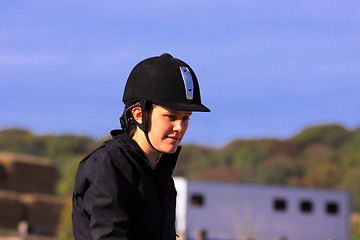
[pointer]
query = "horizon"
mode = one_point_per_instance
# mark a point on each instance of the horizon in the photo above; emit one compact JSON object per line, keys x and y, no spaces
{"x":100,"y":138}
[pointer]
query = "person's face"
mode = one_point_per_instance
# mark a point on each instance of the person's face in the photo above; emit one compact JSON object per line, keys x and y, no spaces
{"x":167,"y":128}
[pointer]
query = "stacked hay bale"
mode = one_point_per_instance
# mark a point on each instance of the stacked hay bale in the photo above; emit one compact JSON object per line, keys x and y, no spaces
{"x":11,"y":209}
{"x":26,"y":174}
{"x":42,"y":209}
{"x":27,"y":193}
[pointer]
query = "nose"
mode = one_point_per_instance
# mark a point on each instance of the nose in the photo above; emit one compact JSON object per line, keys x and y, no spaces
{"x":179,"y":125}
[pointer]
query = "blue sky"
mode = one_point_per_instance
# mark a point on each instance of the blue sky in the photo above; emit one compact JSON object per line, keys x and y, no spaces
{"x":266,"y":68}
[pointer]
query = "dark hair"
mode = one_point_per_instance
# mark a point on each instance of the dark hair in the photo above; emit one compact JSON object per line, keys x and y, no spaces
{"x":128,"y":124}
{"x":127,"y":121}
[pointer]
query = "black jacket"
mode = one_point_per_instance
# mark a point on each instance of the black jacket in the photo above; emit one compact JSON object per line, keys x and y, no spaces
{"x":117,"y":195}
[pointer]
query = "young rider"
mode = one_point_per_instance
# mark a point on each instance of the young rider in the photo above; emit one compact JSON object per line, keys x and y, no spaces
{"x":124,"y":189}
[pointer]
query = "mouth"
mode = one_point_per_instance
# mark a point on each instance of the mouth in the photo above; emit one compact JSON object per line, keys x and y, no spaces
{"x":174,"y":138}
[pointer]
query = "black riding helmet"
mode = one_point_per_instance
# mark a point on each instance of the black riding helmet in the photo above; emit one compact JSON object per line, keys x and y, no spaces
{"x":164,"y":81}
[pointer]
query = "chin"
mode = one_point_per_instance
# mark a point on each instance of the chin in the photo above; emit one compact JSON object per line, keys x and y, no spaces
{"x":171,"y":149}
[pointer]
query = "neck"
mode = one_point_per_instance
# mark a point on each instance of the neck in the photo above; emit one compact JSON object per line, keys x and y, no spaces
{"x":151,"y":154}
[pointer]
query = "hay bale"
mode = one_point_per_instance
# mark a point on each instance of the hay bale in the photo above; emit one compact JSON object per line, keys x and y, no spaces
{"x":3,"y":176}
{"x":42,"y":209}
{"x":11,"y":209}
{"x":38,"y":210}
{"x":27,"y":174}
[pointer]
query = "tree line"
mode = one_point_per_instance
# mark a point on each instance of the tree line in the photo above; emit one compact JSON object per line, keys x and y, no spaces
{"x":323,"y":156}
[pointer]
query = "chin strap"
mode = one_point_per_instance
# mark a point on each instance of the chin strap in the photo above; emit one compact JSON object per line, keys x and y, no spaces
{"x":146,"y":105}
{"x":157,"y":157}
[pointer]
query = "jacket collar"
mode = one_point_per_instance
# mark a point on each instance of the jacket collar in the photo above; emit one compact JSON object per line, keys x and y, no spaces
{"x":167,"y":162}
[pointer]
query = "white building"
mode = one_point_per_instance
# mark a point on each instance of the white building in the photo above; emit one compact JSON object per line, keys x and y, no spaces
{"x":225,"y":211}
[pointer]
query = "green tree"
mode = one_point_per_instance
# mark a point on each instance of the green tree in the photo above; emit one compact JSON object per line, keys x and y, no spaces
{"x":326,"y":175}
{"x":21,"y":141}
{"x":64,"y":230}
{"x":276,"y":170}
{"x":350,"y":182}
{"x":332,"y":135}
{"x":245,"y":152}
{"x":65,"y":184}
{"x":352,"y":157}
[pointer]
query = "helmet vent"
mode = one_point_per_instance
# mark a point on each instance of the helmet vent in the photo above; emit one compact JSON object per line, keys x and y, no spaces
{"x":188,"y":82}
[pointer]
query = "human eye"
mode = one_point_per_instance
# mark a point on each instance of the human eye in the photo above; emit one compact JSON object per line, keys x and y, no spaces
{"x":171,"y":117}
{"x":186,"y":118}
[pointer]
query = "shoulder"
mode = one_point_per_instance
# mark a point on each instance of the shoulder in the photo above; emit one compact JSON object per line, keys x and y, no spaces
{"x":115,"y":158}
{"x":110,"y":152}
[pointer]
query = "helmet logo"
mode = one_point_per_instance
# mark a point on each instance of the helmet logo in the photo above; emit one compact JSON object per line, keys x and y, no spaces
{"x":188,"y":82}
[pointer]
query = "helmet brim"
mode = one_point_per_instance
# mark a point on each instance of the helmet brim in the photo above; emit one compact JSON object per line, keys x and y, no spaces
{"x":191,"y":107}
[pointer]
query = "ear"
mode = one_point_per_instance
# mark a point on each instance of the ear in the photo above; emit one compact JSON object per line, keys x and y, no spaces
{"x":137,"y":114}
